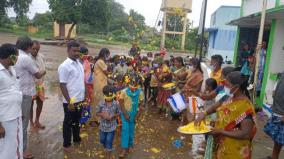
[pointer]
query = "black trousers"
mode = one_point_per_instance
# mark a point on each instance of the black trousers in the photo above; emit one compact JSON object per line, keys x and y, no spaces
{"x":154,"y":93}
{"x":146,"y":90}
{"x":71,"y":125}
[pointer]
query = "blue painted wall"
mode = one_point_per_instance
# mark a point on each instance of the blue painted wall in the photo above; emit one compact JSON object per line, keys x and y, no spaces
{"x":224,"y":15}
{"x":222,"y":37}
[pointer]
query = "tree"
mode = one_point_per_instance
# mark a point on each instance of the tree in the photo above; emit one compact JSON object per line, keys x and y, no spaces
{"x":119,"y":18}
{"x":97,"y":13}
{"x":66,"y":11}
{"x":93,"y":12}
{"x":44,"y":20}
{"x":21,"y":7}
{"x":136,"y":25}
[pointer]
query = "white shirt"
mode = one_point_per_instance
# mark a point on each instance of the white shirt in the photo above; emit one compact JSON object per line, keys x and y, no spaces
{"x":121,"y":69}
{"x":40,"y":63}
{"x":10,"y":95}
{"x":72,"y":73}
{"x":25,"y":69}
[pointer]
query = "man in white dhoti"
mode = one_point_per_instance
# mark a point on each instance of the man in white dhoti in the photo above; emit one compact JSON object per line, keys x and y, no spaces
{"x":26,"y":71}
{"x":11,"y":134}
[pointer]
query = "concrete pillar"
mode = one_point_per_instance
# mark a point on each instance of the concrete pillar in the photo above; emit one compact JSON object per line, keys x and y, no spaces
{"x":164,"y":29}
{"x":184,"y":32}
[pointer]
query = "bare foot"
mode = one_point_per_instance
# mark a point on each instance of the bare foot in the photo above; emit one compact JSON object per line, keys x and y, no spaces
{"x":32,"y":124}
{"x":122,"y":154}
{"x":68,"y":149}
{"x":39,"y":126}
{"x":130,"y":149}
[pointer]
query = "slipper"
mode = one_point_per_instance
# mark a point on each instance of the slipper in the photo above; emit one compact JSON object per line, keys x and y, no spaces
{"x":30,"y":156}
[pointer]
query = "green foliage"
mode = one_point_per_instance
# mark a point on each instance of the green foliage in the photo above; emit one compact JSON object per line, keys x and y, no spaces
{"x":99,"y":21}
{"x":191,"y":38}
{"x":96,"y":13}
{"x":66,"y":11}
{"x":23,"y":21}
{"x":21,"y":7}
{"x":136,"y":27}
{"x":44,"y":20}
{"x":175,"y":23}
{"x":3,"y":15}
{"x":4,"y":20}
{"x":22,"y":31}
{"x":84,"y":29}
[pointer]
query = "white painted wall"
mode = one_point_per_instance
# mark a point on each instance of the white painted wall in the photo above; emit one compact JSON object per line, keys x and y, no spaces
{"x":277,"y":57}
{"x":255,"y":6}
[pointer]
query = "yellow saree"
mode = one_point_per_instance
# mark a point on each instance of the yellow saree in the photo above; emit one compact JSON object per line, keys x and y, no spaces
{"x":100,"y":80}
{"x":229,"y":116}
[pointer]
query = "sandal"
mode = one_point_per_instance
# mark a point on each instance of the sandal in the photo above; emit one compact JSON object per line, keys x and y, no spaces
{"x":28,"y":156}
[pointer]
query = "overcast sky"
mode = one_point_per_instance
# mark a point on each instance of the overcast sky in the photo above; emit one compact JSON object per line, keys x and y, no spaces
{"x":148,"y":8}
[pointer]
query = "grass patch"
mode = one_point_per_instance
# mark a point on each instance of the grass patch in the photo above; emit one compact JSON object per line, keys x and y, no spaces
{"x":21,"y":31}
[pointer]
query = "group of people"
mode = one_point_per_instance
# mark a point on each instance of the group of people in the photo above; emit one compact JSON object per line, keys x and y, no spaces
{"x":111,"y":92}
{"x":22,"y":71}
{"x":122,"y":85}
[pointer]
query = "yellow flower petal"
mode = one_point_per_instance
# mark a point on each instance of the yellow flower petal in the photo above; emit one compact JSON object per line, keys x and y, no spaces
{"x":155,"y":150}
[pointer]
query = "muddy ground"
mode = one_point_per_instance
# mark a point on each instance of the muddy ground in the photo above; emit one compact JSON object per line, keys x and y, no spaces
{"x":155,"y":133}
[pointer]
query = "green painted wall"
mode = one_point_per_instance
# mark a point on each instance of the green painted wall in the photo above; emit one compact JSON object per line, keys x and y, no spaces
{"x":238,"y":37}
{"x":236,"y":46}
{"x":277,"y":3}
{"x":259,"y":100}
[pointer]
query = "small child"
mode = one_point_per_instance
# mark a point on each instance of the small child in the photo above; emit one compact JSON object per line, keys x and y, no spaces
{"x":167,"y":88}
{"x":145,"y":70}
{"x":154,"y":86}
{"x":118,"y":88}
{"x":210,"y":85}
{"x":130,"y":101}
{"x":108,"y":110}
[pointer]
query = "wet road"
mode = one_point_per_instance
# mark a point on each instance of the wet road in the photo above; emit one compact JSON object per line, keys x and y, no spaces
{"x":154,"y":137}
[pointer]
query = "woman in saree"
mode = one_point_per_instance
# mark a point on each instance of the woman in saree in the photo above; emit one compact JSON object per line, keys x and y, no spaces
{"x":100,"y":77}
{"x":195,"y":79}
{"x":235,"y":125}
{"x":180,"y":74}
{"x":193,"y":83}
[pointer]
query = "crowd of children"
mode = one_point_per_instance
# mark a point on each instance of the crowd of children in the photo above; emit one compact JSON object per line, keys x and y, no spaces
{"x":135,"y":82}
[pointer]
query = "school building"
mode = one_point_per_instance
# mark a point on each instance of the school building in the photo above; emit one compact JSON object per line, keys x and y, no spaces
{"x":248,"y":28}
{"x":222,"y":37}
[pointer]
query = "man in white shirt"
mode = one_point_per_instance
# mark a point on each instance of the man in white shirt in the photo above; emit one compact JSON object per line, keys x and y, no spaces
{"x":26,"y":71}
{"x":71,"y":78}
{"x":40,"y":94}
{"x":11,"y":135}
